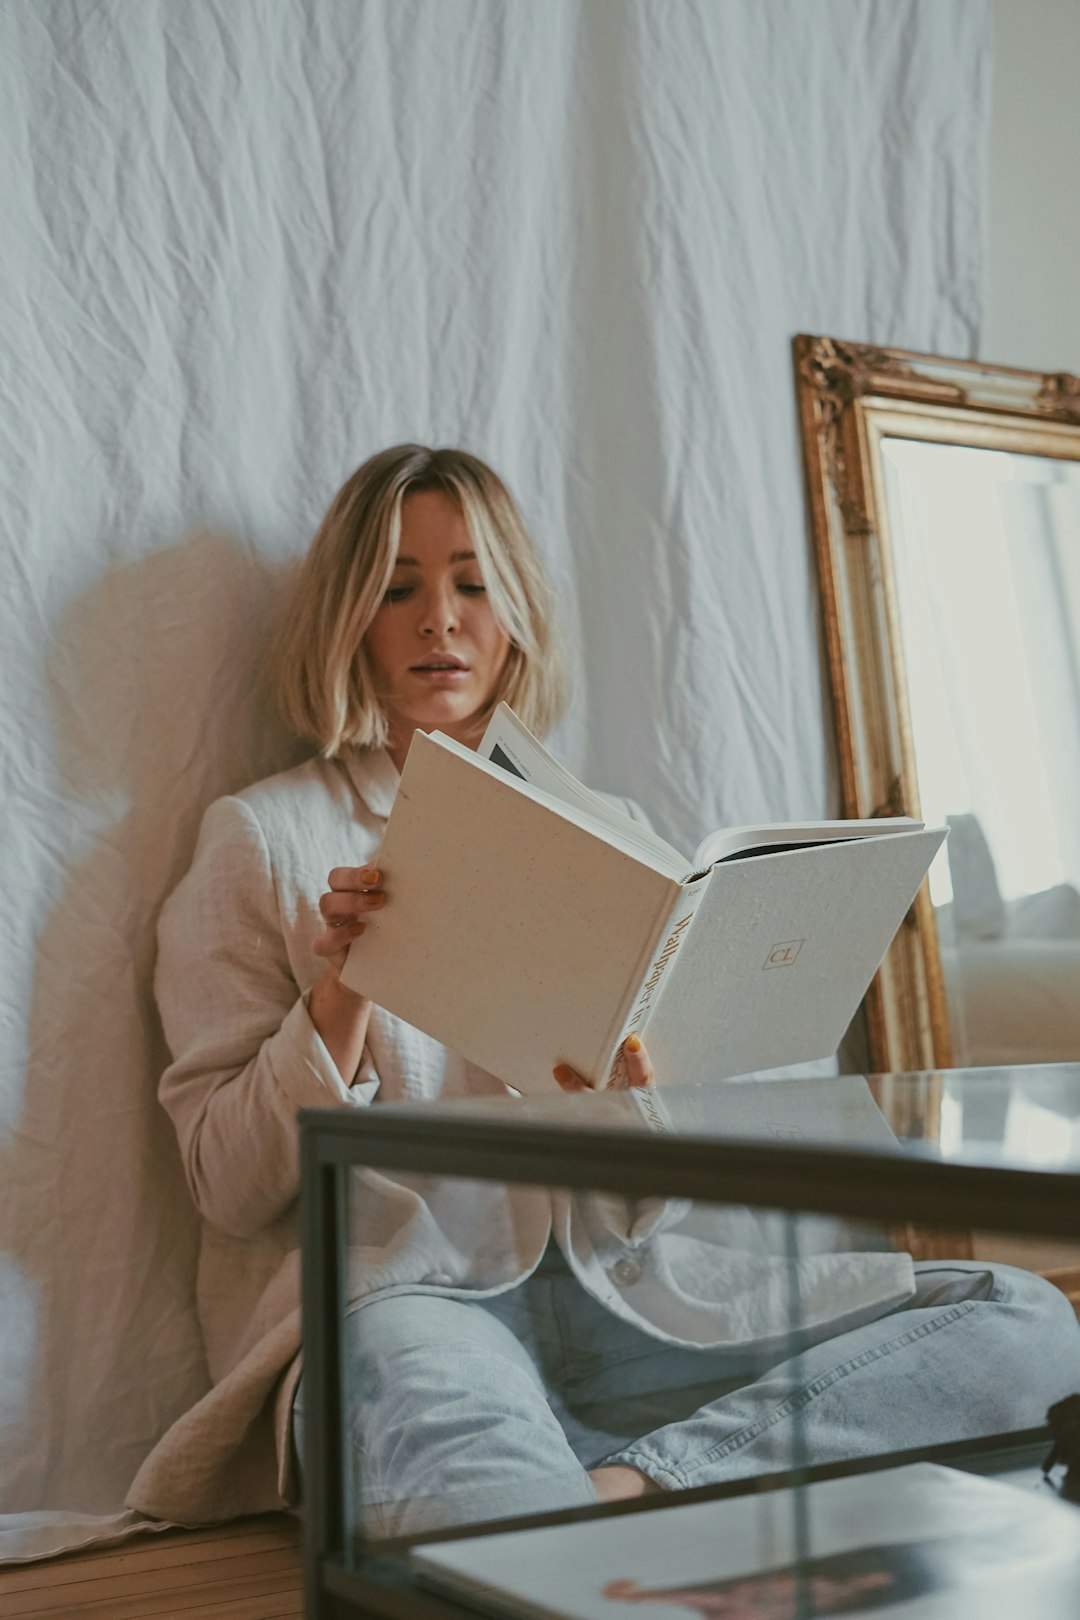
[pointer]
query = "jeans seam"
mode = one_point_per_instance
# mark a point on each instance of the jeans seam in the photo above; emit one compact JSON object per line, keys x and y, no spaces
{"x":802,"y":1398}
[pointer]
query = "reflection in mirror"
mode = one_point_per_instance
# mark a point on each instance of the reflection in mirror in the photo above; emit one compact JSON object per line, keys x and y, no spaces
{"x":986,"y":550}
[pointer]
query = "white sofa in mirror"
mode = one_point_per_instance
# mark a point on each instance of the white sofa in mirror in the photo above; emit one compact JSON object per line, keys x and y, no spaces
{"x":1011,"y":966}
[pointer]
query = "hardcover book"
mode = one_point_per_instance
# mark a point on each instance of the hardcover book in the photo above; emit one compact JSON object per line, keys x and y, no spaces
{"x":919,"y":1541}
{"x":531,"y":923}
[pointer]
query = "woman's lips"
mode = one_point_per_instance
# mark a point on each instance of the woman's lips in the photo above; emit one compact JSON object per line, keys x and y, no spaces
{"x":436,"y":676}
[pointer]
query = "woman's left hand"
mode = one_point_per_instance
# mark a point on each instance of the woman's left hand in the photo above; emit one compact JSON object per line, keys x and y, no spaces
{"x":636,"y":1070}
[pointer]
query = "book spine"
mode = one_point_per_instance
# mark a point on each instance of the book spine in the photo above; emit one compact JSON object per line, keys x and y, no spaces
{"x":670,"y":938}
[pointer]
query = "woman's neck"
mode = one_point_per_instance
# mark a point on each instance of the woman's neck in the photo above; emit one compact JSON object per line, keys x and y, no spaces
{"x":397,"y":752}
{"x":397,"y":745}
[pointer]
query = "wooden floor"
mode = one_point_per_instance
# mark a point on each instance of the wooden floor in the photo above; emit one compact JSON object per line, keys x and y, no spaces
{"x":250,"y":1570}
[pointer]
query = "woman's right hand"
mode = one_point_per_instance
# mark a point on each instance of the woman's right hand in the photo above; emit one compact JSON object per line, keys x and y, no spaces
{"x":341,"y":1015}
{"x":355,"y":892}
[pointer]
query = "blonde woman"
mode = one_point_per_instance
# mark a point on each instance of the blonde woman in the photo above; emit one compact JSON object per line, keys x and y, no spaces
{"x":512,"y":1349}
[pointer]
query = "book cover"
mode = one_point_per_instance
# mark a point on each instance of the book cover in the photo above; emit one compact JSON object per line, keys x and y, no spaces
{"x":780,"y":954}
{"x":513,"y":936}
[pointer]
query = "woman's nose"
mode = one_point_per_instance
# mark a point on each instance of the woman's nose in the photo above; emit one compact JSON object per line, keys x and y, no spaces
{"x":440,"y":614}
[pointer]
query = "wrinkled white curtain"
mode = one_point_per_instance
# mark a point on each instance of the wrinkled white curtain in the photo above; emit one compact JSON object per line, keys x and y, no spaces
{"x":245,"y":244}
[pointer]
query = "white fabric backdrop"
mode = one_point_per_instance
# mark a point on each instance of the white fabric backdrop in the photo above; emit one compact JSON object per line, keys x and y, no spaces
{"x":247,"y":244}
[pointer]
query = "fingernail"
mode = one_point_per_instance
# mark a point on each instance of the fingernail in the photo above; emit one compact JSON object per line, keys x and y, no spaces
{"x":633,"y":1043}
{"x":369,"y":874}
{"x":565,"y":1075}
{"x":375,"y":901}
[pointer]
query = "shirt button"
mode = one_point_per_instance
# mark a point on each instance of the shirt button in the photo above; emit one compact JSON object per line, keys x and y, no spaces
{"x":625,"y":1272}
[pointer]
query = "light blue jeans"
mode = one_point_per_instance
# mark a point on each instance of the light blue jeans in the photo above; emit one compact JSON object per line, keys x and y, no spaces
{"x":462,"y":1410}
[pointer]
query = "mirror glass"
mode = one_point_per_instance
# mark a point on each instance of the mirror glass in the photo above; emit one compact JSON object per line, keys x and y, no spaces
{"x":986,"y":548}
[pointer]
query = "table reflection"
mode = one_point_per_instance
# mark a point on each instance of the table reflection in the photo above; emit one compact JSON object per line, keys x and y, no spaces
{"x":1024,"y":1117}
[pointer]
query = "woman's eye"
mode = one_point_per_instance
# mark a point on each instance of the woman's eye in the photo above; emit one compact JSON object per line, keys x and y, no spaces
{"x":397,"y":593}
{"x":473,"y":590}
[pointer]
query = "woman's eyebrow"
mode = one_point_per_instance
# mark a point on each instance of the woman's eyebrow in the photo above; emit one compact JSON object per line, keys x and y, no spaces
{"x":458,"y":556}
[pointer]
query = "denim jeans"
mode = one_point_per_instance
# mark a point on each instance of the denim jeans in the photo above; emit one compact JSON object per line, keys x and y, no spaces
{"x":461,"y":1410}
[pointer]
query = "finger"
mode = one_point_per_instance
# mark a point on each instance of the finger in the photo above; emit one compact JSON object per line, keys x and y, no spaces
{"x":568,"y":1079}
{"x":639,"y":1069}
{"x":334,"y":941}
{"x":354,"y":877}
{"x":339,"y":904}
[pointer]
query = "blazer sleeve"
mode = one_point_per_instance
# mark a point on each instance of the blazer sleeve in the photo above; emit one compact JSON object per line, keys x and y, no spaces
{"x":246,"y":1055}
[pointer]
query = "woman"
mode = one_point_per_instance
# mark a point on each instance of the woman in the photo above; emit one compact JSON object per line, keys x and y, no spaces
{"x":513,"y":1349}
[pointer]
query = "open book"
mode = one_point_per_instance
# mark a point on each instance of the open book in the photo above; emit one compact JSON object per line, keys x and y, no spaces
{"x":533,"y":923}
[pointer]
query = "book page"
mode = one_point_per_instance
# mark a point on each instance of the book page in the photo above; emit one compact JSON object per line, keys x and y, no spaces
{"x":508,"y":743}
{"x":772,"y":838}
{"x":621,"y":832}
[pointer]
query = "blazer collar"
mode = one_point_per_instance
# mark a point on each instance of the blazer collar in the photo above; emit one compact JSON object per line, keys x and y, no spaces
{"x":375,"y":777}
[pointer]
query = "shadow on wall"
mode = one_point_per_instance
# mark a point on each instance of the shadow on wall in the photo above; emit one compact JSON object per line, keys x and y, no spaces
{"x":156,"y":684}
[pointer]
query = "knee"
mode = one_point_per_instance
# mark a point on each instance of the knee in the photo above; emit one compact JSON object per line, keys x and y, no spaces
{"x":1035,"y":1296}
{"x":1046,"y":1320}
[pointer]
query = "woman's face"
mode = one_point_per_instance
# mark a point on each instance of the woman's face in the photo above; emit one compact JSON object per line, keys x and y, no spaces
{"x":435,"y":649}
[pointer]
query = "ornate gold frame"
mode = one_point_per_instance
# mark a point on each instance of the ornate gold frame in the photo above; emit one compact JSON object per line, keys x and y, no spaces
{"x":850,"y":397}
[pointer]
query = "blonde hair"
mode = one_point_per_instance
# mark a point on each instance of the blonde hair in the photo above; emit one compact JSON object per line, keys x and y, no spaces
{"x":323,"y":679}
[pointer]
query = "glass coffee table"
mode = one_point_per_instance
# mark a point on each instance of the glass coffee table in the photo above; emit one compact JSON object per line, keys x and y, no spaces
{"x":799,"y":1181}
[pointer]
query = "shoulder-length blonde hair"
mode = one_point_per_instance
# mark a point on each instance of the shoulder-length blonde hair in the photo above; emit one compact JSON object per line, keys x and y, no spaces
{"x":323,"y":679}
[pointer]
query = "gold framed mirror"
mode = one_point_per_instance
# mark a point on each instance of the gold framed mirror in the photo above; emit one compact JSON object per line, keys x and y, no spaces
{"x":944,"y":500}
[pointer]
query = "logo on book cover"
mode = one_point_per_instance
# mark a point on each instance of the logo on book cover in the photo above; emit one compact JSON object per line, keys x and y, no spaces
{"x":783,"y":954}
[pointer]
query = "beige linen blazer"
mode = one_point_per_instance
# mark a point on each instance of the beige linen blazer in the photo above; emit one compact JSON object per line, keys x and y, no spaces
{"x":235,"y":967}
